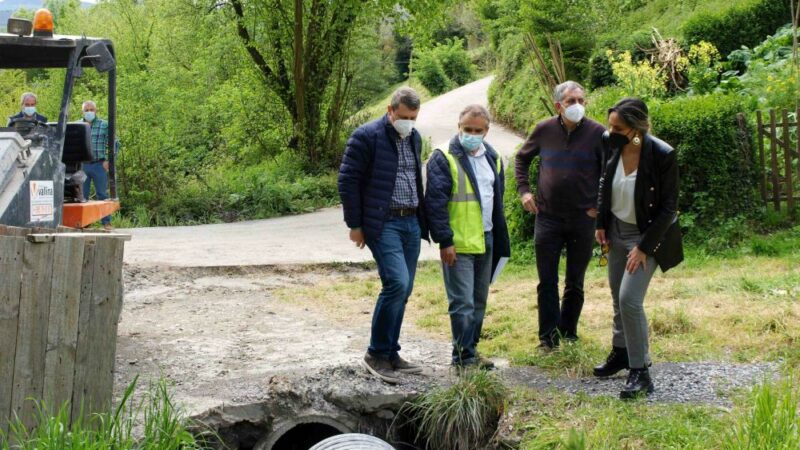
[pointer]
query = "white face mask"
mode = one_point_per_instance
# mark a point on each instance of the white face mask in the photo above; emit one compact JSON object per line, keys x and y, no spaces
{"x":575,"y":112}
{"x":403,"y":127}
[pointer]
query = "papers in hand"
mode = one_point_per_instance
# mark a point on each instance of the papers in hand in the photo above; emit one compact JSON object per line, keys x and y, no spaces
{"x":499,"y":269}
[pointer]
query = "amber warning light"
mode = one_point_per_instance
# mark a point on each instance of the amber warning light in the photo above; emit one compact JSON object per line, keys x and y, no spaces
{"x":43,"y":23}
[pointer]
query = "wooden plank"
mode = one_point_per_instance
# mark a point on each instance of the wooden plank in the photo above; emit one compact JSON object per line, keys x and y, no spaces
{"x":776,"y":185}
{"x":762,"y":177}
{"x":32,"y":335}
{"x":101,"y":300}
{"x":7,"y":230}
{"x":11,"y":249}
{"x":50,"y":237}
{"x":62,"y":334}
{"x":787,"y":161}
{"x":82,"y":377}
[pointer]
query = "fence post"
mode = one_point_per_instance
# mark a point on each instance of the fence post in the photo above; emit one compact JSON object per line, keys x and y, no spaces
{"x":762,"y":176}
{"x":773,"y":150}
{"x":787,"y":158}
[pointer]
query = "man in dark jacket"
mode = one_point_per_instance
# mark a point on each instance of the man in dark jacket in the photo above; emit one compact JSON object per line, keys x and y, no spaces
{"x":380,"y":185}
{"x":571,"y":153}
{"x":28,"y":110}
{"x":464,"y":207}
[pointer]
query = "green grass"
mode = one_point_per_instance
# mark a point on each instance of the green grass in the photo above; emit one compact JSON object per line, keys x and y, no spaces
{"x":378,"y":108}
{"x":462,"y":416}
{"x":765,"y":418}
{"x":154,"y":423}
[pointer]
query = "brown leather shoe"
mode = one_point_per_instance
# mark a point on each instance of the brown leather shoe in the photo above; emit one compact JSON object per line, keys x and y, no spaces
{"x":403,"y":366}
{"x":381,"y":368}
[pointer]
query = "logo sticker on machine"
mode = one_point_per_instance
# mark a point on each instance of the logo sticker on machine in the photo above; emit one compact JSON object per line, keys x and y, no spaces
{"x":42,"y":201}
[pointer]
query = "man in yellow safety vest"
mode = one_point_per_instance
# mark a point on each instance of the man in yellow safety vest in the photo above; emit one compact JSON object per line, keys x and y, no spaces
{"x":464,"y":207}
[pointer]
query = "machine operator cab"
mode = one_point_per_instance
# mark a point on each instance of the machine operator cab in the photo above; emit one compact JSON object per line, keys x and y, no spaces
{"x":40,"y":177}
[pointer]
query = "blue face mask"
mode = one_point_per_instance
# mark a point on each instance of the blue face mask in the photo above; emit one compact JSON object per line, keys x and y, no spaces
{"x":470,"y":142}
{"x":29,"y":110}
{"x":89,"y":116}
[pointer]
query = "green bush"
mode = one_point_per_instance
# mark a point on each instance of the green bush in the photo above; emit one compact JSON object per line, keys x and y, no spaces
{"x":742,"y":25}
{"x":515,"y":94}
{"x":462,"y":416}
{"x":600,"y":72}
{"x":430,"y":72}
{"x":717,"y":177}
{"x":231,"y":192}
{"x":455,"y":61}
{"x":520,"y":222}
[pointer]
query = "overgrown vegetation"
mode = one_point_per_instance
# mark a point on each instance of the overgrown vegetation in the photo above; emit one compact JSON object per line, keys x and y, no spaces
{"x":160,"y":425}
{"x":217,"y":121}
{"x":682,"y":58}
{"x":462,"y":416}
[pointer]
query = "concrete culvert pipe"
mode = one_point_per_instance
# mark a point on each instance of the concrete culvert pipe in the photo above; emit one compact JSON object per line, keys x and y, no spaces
{"x":352,"y":442}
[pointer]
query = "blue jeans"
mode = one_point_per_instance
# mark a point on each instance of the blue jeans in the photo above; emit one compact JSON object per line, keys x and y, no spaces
{"x":396,"y":253}
{"x":467,"y":286}
{"x":551,"y":236}
{"x":95,"y":172}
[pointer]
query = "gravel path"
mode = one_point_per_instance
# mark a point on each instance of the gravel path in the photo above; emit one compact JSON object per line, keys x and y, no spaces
{"x":682,"y":382}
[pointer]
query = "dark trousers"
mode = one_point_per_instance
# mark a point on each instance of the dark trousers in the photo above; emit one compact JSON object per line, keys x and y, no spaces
{"x":551,"y":236}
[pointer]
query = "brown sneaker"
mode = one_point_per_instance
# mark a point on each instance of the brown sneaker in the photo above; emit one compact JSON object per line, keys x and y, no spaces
{"x":403,"y":366}
{"x":381,"y":368}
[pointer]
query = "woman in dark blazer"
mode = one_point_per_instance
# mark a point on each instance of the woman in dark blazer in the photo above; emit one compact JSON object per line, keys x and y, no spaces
{"x":638,"y":225}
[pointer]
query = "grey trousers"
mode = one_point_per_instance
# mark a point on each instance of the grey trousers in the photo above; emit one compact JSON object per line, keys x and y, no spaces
{"x":467,"y":286}
{"x":628,"y":291}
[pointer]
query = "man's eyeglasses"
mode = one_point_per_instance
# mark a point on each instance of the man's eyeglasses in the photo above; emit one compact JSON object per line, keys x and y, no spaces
{"x":603,"y":261}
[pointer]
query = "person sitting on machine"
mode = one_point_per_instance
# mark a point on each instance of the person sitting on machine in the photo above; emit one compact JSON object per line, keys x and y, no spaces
{"x":28,"y":112}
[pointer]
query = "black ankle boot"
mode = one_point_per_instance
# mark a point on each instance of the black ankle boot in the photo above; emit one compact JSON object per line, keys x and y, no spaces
{"x":616,"y":361}
{"x":638,"y":384}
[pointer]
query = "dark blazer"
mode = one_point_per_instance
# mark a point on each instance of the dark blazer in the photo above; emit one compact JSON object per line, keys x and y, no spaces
{"x":655,"y":199}
{"x":20,"y":115}
{"x":368,"y":174}
{"x":440,"y":186}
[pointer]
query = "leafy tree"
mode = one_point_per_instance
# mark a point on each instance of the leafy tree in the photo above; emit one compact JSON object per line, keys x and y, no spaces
{"x":301,"y":50}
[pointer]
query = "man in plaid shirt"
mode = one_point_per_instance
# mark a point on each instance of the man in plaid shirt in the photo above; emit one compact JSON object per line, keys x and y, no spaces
{"x":97,"y":170}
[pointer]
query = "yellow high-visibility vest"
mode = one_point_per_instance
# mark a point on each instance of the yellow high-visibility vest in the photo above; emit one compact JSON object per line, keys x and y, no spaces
{"x":464,"y":207}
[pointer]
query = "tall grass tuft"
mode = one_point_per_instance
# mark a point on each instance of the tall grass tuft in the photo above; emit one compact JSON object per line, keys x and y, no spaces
{"x":161,"y":425}
{"x":773,"y":421}
{"x":463,"y":416}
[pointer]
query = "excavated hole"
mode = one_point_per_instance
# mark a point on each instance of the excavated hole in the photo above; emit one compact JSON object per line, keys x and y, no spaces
{"x":304,"y":436}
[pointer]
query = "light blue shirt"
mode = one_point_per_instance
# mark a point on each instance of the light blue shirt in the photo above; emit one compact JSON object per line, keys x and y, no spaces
{"x":484,"y":175}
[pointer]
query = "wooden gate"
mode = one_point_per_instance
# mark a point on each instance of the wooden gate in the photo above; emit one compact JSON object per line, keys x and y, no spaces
{"x":60,"y":299}
{"x":779,"y":181}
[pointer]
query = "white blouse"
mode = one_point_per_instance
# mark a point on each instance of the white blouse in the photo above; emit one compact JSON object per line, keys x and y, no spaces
{"x":622,"y":189}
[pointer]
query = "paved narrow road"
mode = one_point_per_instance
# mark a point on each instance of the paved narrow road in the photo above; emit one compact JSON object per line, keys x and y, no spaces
{"x":319,"y":237}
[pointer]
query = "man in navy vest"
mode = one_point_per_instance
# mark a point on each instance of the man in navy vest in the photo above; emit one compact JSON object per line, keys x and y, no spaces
{"x":380,"y":184}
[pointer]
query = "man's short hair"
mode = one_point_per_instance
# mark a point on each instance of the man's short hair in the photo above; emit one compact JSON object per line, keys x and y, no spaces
{"x":87,"y":103}
{"x":406,"y":96}
{"x":563,"y":88}
{"x":475,"y":110}
{"x":26,"y":96}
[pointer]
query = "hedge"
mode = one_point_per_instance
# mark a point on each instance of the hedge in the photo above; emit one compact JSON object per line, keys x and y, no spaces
{"x":717,"y":177}
{"x":746,"y":25}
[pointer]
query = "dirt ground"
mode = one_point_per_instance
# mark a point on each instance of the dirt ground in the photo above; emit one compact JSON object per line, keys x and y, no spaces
{"x":219,"y":334}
